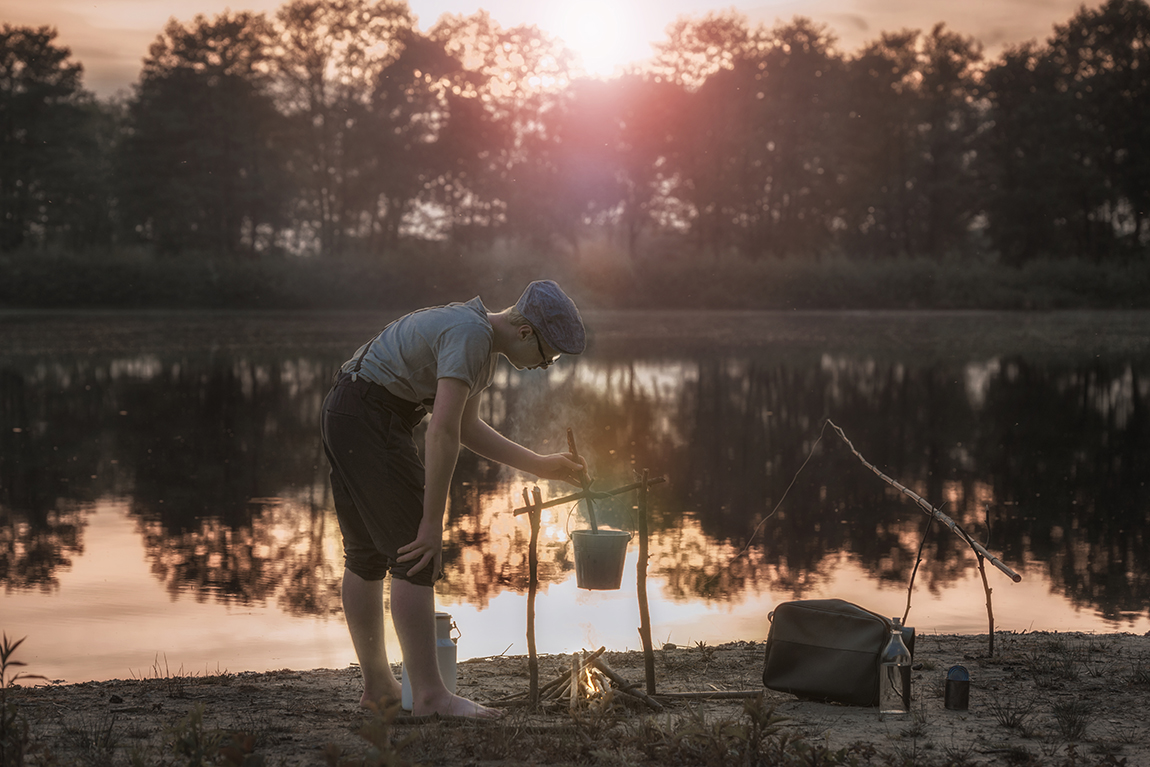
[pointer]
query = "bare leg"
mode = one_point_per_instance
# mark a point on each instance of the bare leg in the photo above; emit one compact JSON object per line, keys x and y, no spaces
{"x":413,"y":610}
{"x":363,"y":609}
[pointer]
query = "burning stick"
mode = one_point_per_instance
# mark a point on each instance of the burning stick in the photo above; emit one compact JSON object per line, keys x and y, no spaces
{"x":626,"y":687}
{"x":559,"y":686}
{"x":556,"y":687}
{"x":592,"y":672}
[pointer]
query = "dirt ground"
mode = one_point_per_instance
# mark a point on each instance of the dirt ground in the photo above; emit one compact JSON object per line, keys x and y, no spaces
{"x":1043,"y":698}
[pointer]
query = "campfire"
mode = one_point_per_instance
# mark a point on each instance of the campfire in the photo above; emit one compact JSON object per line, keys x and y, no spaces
{"x":590,"y":678}
{"x":590,"y":682}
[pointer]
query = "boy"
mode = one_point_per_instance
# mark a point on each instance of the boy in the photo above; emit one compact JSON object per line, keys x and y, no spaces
{"x":390,"y":507}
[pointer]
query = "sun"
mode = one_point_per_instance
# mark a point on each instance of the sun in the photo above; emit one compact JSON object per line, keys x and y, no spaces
{"x":599,"y":31}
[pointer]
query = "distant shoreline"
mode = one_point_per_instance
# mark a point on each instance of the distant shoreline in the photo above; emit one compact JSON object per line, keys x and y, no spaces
{"x":922,"y":334}
{"x":408,"y":281}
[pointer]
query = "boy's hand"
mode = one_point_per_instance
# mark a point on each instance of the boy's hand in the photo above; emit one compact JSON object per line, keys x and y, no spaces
{"x":564,"y":467}
{"x":425,"y":549}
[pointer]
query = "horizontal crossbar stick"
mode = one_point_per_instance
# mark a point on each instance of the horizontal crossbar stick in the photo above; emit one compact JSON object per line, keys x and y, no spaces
{"x":710,"y":695}
{"x":590,"y":494}
{"x":943,"y":518}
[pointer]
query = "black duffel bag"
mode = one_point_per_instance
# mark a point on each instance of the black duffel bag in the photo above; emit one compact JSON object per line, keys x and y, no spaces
{"x":827,"y":650}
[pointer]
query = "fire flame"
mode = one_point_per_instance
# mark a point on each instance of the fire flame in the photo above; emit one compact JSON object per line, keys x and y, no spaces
{"x":593,"y":681}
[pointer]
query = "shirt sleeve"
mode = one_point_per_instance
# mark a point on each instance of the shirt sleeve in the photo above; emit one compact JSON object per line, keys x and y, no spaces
{"x":462,"y":352}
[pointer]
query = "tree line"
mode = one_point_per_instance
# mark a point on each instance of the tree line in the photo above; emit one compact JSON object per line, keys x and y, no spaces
{"x":337,"y":128}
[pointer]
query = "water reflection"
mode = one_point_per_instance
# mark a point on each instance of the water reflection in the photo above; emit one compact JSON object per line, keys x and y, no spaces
{"x":217,"y":457}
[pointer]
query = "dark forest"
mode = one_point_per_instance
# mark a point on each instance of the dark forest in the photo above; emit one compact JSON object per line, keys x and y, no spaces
{"x":256,"y":156}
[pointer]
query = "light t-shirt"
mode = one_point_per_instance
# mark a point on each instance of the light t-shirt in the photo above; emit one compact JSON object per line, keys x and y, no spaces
{"x":410,"y":355}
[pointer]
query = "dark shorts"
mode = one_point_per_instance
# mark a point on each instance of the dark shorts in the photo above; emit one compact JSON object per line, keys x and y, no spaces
{"x":376,"y":477}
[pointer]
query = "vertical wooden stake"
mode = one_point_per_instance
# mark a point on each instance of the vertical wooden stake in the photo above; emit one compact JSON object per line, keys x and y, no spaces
{"x":989,"y":607}
{"x":641,"y":587}
{"x":914,"y":572}
{"x":532,"y":584}
{"x":576,"y":667}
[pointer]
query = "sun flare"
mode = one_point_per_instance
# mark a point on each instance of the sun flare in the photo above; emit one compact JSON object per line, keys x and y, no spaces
{"x":598,"y":31}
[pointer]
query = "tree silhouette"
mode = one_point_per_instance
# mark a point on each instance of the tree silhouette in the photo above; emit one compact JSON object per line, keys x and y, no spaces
{"x":880,"y":147}
{"x":754,"y":156}
{"x":329,"y":55}
{"x":400,"y":134}
{"x":949,"y":68}
{"x":52,"y":181}
{"x":516,"y":77}
{"x":1101,"y":57}
{"x":202,"y":167}
{"x":1027,"y":180}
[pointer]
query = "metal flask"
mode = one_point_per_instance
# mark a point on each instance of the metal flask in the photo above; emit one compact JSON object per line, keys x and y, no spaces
{"x":956,"y":696}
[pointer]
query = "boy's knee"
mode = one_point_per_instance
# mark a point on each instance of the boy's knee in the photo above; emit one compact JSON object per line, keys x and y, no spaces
{"x":425,"y":577}
{"x":368,"y":567}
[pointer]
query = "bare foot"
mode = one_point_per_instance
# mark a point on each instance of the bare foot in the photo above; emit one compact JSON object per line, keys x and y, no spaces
{"x":381,"y":702}
{"x":453,"y":705}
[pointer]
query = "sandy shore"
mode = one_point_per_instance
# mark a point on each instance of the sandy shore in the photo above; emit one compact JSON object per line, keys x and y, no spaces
{"x":1043,"y":698}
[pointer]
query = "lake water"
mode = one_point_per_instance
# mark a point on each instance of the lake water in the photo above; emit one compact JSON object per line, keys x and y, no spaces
{"x":164,"y":502}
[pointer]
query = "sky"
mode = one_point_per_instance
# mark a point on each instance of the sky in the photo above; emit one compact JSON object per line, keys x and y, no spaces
{"x":111,"y":37}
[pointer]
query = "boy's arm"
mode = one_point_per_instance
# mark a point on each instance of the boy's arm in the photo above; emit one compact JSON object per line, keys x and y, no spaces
{"x":441,"y":450}
{"x":479,"y":437}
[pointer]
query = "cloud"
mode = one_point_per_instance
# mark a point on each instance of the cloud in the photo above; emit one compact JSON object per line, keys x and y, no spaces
{"x":849,"y":23}
{"x":111,"y":38}
{"x":113,"y":65}
{"x":994,"y":23}
{"x":111,"y":55}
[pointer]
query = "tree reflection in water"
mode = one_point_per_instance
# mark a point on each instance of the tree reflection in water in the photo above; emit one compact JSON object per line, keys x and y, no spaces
{"x":219,"y":458}
{"x":41,"y":509}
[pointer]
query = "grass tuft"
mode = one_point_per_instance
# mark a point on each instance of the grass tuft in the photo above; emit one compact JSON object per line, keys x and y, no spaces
{"x":1012,"y":713}
{"x":175,"y":684}
{"x":1073,"y":718}
{"x":383,"y":749}
{"x":16,"y":743}
{"x":757,"y":739}
{"x":1139,"y":673}
{"x":94,"y":736}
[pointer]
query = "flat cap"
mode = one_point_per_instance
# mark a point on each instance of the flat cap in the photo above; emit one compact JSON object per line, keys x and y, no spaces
{"x":554,"y":315}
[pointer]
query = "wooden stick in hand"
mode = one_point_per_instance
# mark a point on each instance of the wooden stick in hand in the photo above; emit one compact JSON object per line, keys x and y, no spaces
{"x":584,"y":479}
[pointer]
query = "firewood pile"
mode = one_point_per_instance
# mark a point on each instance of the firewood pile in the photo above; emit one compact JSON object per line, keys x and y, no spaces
{"x":589,"y":682}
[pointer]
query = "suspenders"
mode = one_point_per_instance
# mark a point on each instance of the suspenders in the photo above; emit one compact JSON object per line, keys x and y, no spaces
{"x":359,"y":359}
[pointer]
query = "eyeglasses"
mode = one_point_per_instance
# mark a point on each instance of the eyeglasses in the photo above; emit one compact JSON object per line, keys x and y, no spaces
{"x":547,"y":361}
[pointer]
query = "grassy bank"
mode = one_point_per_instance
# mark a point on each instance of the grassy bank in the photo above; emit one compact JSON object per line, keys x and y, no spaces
{"x":601,"y":278}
